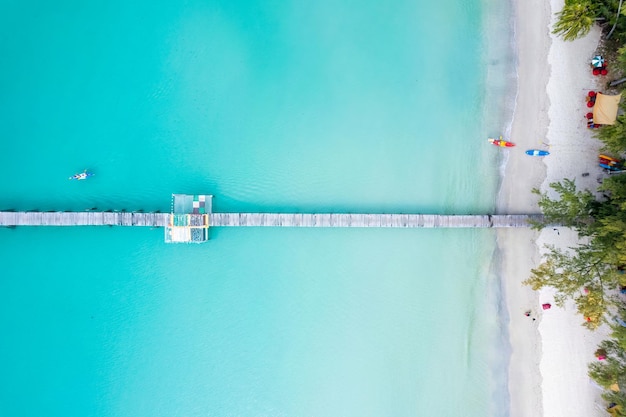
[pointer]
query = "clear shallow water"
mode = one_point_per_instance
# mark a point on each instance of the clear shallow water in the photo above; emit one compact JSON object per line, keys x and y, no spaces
{"x":277,"y":107}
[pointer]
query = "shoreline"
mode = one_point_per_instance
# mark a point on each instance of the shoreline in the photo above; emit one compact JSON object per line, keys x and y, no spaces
{"x":517,"y":248}
{"x":550,"y":350}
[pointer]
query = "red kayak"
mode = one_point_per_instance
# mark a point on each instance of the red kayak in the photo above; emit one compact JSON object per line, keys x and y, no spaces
{"x":500,"y":142}
{"x":607,"y":162}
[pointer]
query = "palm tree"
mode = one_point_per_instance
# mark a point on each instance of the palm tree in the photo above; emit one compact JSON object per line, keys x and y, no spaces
{"x":619,"y":8}
{"x":575,"y":19}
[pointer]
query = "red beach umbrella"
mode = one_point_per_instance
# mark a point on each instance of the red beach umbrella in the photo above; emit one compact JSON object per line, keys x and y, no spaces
{"x":589,"y":115}
{"x":590,"y":104}
{"x":604,"y":72}
{"x":596,"y":71}
{"x":592,"y":93}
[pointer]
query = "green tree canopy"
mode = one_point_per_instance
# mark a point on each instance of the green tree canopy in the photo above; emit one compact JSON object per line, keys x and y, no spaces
{"x":575,"y":20}
{"x":580,"y":274}
{"x":613,"y":136}
{"x":572,"y":208}
{"x":591,"y":272}
{"x":612,"y":370}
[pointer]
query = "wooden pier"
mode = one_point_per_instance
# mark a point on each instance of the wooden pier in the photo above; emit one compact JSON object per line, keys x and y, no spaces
{"x":93,"y":218}
{"x":192,"y":215}
{"x":370,"y":220}
{"x":82,"y":218}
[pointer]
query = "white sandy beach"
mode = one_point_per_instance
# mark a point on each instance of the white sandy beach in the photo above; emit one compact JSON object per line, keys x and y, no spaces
{"x":548,"y":368}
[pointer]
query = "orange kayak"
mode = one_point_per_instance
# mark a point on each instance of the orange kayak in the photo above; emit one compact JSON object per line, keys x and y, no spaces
{"x":608,"y":158}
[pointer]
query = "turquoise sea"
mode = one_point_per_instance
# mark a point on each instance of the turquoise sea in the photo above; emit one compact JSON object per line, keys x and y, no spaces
{"x":280,"y":106}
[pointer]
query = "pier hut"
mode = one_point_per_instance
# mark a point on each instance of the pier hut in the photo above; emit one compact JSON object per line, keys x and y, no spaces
{"x":189,"y":219}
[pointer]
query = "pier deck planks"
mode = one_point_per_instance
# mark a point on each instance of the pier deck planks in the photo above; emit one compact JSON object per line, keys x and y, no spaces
{"x":91,"y":218}
{"x":82,"y":218}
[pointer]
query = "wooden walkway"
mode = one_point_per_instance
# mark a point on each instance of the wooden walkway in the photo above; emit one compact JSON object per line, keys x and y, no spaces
{"x":92,"y":218}
{"x":84,"y":218}
{"x":371,"y":220}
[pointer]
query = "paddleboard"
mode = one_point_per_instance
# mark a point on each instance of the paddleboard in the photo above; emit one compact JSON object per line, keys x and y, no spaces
{"x":537,"y":152}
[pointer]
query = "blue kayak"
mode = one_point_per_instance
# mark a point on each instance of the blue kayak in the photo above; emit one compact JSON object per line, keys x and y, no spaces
{"x":611,"y":167}
{"x":537,"y":152}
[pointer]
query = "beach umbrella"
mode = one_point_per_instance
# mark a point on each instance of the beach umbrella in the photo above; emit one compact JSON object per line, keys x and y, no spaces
{"x":597,"y":61}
